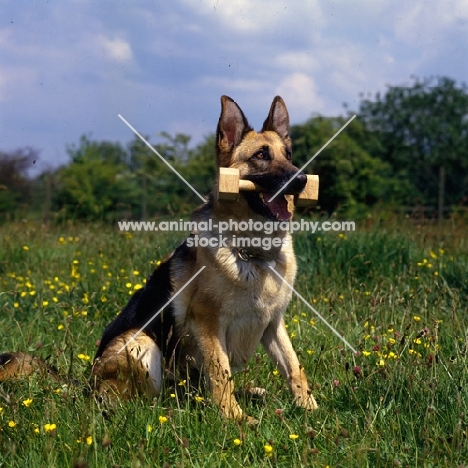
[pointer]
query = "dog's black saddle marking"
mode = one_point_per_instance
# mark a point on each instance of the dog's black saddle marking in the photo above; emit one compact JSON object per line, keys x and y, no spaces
{"x":144,"y":304}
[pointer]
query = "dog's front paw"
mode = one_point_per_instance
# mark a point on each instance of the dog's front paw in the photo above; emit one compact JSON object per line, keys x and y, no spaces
{"x":308,"y":402}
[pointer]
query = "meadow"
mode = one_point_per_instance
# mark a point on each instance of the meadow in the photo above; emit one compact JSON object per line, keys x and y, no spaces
{"x":396,"y":291}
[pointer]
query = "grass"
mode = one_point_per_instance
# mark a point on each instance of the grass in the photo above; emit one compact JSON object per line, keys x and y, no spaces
{"x":398,"y":294}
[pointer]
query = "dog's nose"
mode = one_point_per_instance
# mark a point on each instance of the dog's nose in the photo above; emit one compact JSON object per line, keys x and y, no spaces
{"x":302,"y":178}
{"x":299,"y":182}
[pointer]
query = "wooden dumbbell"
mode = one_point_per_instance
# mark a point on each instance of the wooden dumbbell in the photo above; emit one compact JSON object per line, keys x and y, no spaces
{"x":230,"y":184}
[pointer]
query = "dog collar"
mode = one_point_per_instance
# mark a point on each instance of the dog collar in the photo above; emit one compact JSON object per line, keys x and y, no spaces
{"x":244,"y":255}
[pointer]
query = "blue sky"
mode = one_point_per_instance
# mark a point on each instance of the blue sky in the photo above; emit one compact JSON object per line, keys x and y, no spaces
{"x":68,"y":68}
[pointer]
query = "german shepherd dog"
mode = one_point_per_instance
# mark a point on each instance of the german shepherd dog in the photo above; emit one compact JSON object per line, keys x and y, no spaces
{"x":205,"y":323}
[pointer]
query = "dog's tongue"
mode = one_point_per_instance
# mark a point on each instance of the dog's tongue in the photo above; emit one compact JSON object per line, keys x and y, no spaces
{"x":278,"y":206}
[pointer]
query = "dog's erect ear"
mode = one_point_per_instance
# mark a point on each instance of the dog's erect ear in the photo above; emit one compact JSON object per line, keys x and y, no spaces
{"x":232,"y":127}
{"x":278,"y":119}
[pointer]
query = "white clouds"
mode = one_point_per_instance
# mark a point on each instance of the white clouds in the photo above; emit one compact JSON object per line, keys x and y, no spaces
{"x":165,"y":64}
{"x":261,"y":18}
{"x":299,"y":91}
{"x":116,"y":49}
{"x":304,"y":61}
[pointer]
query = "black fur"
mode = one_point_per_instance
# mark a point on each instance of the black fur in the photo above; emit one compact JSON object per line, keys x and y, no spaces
{"x":144,"y":304}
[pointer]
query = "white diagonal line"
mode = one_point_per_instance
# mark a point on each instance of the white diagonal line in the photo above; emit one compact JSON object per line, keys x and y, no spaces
{"x":315,"y":312}
{"x":160,"y":157}
{"x":161,"y":309}
{"x":313,"y":157}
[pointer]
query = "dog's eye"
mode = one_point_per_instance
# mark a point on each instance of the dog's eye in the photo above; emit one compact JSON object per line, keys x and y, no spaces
{"x":288,"y":154}
{"x":262,"y":154}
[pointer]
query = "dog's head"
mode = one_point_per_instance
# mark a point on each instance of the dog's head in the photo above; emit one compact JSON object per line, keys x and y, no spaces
{"x":262,"y":157}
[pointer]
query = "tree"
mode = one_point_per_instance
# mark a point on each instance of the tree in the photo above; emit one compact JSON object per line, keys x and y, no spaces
{"x":422,"y":132}
{"x":15,"y":185}
{"x":350,"y":178}
{"x":97,"y":183}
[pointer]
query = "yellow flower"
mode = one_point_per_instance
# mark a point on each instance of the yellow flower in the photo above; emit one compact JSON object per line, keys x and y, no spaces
{"x":137,"y":287}
{"x":198,"y":399}
{"x":172,"y":395}
{"x":417,"y":341}
{"x":432,"y":254}
{"x":416,"y":318}
{"x":381,"y":362}
{"x":25,"y":247}
{"x":162,"y":419}
{"x":89,"y":440}
{"x":366,"y":353}
{"x":60,"y":327}
{"x":293,"y":436}
{"x":268,"y":449}
{"x":27,"y":402}
{"x":1,"y":409}
{"x":45,"y":303}
{"x":11,"y":423}
{"x":237,"y":442}
{"x":85,"y":357}
{"x":182,"y":383}
{"x":276,"y":372}
{"x":37,"y":430}
{"x":149,"y":428}
{"x":50,"y":427}
{"x":136,"y":272}
{"x":15,"y":305}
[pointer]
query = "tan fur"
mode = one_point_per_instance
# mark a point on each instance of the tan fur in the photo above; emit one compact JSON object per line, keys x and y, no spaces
{"x":216,"y":323}
{"x":19,"y":366}
{"x":233,"y":305}
{"x":134,"y":371}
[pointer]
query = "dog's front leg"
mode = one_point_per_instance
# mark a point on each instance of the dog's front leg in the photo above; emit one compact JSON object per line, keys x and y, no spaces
{"x":218,"y":373}
{"x":277,"y":344}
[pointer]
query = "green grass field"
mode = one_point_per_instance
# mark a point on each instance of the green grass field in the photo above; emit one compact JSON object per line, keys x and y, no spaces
{"x":398,"y":294}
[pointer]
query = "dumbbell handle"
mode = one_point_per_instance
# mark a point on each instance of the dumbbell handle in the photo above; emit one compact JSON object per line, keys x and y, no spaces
{"x":247,"y":186}
{"x":230,"y":184}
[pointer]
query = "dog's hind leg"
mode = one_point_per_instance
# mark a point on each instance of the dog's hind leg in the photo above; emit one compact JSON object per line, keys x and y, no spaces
{"x":130,"y":365}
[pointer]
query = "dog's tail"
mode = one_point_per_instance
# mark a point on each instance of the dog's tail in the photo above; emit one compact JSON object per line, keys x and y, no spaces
{"x":19,"y":366}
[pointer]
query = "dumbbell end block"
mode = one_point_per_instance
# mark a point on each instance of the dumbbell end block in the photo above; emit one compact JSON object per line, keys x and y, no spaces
{"x":309,"y":196}
{"x":228,"y":186}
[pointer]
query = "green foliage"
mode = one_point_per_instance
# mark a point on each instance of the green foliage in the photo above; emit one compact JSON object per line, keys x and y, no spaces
{"x":96,"y":184}
{"x":394,"y":154}
{"x":420,"y":128}
{"x":399,"y":402}
{"x":351,"y":179}
{"x":15,"y":188}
